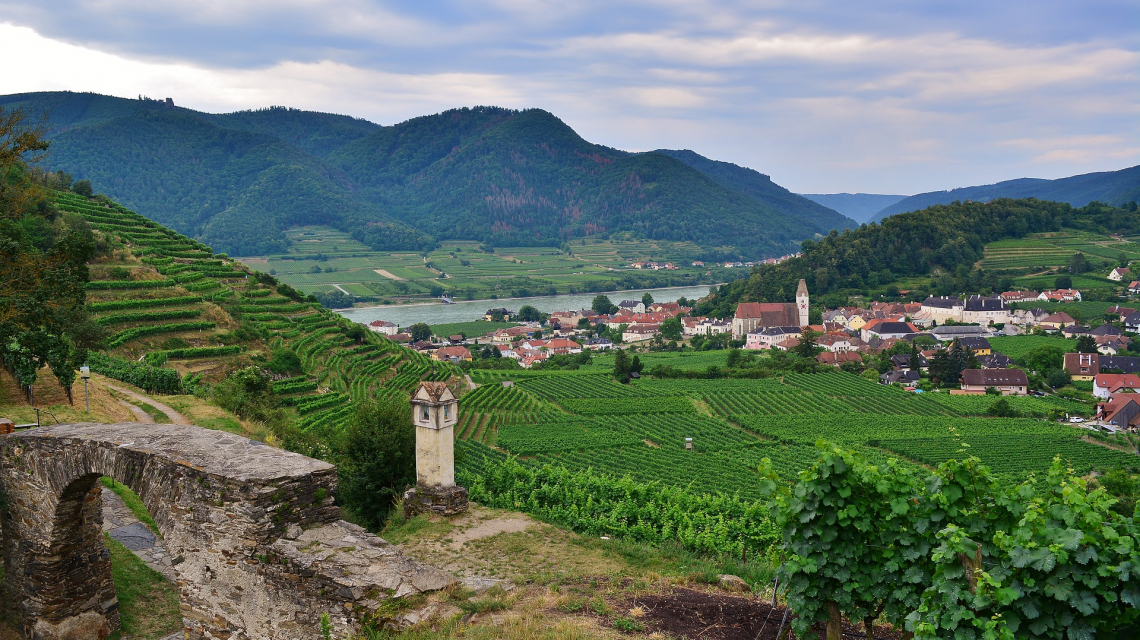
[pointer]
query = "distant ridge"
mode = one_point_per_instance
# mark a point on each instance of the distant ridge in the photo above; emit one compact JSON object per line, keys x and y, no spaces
{"x":506,"y":177}
{"x":860,"y":207}
{"x":1110,"y":187}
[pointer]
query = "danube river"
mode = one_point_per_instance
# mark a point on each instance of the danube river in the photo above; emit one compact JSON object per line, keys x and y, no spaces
{"x":440,"y":313}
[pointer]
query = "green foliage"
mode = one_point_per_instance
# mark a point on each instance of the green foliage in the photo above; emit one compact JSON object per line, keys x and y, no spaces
{"x":419,"y":331}
{"x":379,"y":460}
{"x":592,"y":503}
{"x":854,"y":534}
{"x":1046,"y":558}
{"x":148,"y":378}
{"x":284,"y":361}
{"x":603,"y":305}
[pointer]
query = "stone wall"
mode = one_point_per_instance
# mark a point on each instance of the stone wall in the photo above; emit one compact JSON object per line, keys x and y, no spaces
{"x":254,"y":536}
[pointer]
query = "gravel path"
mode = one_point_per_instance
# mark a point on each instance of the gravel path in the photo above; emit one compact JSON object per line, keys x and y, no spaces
{"x":175,"y":417}
{"x":122,"y":525}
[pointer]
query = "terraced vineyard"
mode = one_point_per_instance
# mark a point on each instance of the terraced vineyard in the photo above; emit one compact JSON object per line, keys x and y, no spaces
{"x":171,"y":300}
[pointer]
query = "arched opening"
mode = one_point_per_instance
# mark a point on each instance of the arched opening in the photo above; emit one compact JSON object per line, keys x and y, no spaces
{"x":101,"y":571}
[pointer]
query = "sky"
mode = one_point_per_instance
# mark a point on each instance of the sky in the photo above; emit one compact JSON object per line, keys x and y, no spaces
{"x":880,"y":96}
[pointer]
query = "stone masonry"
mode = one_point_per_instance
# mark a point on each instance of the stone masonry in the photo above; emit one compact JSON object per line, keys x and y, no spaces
{"x":253,"y":536}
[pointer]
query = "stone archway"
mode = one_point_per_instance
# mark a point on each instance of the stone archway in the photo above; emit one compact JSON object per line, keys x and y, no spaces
{"x":255,"y":539}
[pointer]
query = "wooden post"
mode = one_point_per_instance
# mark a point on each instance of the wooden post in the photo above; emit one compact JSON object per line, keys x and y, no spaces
{"x":834,"y":621}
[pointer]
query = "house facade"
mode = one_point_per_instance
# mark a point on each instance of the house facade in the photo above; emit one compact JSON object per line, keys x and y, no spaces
{"x":1010,"y":382}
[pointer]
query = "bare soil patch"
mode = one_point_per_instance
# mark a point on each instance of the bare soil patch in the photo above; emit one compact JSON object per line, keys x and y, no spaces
{"x":686,"y":613}
{"x":388,"y":274}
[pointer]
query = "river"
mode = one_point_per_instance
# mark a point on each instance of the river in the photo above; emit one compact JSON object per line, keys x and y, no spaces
{"x":467,"y":311}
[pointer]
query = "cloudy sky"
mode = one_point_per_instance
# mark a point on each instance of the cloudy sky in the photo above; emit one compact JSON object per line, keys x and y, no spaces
{"x":885,"y":96}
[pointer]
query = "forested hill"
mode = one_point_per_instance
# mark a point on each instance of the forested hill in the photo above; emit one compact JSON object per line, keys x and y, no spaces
{"x":756,"y":185}
{"x":943,"y":238}
{"x":1110,"y":187}
{"x":237,"y":181}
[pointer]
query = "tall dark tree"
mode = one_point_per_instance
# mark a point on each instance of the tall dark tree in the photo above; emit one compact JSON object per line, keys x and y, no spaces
{"x":379,"y":461}
{"x":809,"y":345}
{"x":623,"y":366}
{"x":1085,"y":344}
{"x":603,"y":305}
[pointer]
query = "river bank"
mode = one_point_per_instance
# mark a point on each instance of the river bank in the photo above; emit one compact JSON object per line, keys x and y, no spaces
{"x":468,"y":310}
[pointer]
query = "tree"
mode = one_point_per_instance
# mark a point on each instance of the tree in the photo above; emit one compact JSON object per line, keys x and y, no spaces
{"x":83,"y":188}
{"x":379,"y":461}
{"x":647,"y":299}
{"x":22,"y":145}
{"x":1063,"y":282}
{"x":420,"y":331}
{"x":1001,"y":408}
{"x":44,"y":270}
{"x":944,"y":368}
{"x":1085,"y":344}
{"x":602,"y":305}
{"x":435,"y":290}
{"x":1044,"y":359}
{"x":808,"y":347}
{"x":671,"y":328}
{"x":1078,"y":264}
{"x":285,"y":361}
{"x":623,"y":366}
{"x":528,"y":313}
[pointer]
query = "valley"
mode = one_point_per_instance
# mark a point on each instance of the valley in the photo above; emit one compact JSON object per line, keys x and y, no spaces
{"x":321,"y":257}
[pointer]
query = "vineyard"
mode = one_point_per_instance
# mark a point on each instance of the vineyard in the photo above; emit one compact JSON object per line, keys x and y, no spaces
{"x":178,"y":315}
{"x":583,"y":420}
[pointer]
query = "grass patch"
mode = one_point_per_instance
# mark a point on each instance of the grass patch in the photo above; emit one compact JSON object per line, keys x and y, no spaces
{"x":133,"y":502}
{"x":160,"y":417}
{"x":148,"y":602}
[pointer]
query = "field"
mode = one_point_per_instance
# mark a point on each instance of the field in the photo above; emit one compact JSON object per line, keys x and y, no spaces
{"x":1053,"y":249}
{"x":584,"y":421}
{"x":321,"y":259}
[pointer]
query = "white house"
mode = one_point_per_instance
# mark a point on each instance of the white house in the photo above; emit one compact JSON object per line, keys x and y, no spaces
{"x":384,"y":327}
{"x":639,"y":332}
{"x":984,"y":311}
{"x":941,"y":309}
{"x":1118,"y":274}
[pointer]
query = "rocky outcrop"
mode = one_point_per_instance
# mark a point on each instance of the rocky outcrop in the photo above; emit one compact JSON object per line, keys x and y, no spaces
{"x":255,"y":540}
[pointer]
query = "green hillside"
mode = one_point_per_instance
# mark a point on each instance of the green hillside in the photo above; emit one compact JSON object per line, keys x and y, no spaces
{"x":942,"y":250}
{"x":179,"y":317}
{"x":509,"y":178}
{"x":760,"y":187}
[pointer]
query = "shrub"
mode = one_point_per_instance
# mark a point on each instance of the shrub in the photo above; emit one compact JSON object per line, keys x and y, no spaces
{"x":379,"y":461}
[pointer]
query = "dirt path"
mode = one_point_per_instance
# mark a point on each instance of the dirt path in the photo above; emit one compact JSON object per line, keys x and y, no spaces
{"x":388,"y":274}
{"x":175,"y":417}
{"x":140,"y":415}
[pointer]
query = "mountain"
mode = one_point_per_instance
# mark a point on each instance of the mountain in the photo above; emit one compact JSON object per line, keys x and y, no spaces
{"x":501,"y":176}
{"x":1110,"y":187}
{"x":760,"y":187}
{"x":860,"y":207}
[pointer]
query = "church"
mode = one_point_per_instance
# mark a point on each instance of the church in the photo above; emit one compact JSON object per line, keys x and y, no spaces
{"x":753,"y":316}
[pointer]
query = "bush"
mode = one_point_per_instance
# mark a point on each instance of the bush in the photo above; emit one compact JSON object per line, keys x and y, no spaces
{"x":284,"y":361}
{"x":83,"y":188}
{"x":379,"y":462}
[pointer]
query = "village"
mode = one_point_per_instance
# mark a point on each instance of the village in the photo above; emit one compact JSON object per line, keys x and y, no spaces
{"x":906,"y":337}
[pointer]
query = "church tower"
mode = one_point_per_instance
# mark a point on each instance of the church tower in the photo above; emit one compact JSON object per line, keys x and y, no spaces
{"x":802,"y":302}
